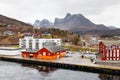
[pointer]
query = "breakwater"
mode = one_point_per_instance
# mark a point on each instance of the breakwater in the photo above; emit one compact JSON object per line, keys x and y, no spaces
{"x":78,"y":67}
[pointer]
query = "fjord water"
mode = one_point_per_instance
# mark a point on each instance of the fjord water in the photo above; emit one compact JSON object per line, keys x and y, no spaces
{"x":15,"y":71}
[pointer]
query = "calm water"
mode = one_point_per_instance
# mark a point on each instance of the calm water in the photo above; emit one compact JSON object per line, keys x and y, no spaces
{"x":15,"y":71}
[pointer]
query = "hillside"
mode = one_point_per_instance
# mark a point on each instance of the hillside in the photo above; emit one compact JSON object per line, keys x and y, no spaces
{"x":66,"y":36}
{"x":10,"y":22}
{"x":11,"y":28}
{"x":101,"y":32}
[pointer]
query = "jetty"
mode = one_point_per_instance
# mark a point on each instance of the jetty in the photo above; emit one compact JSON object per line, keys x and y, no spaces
{"x":114,"y":70}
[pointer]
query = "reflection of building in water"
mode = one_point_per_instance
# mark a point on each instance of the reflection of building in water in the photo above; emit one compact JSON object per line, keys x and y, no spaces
{"x":108,"y":77}
{"x":44,"y":70}
{"x":40,"y":68}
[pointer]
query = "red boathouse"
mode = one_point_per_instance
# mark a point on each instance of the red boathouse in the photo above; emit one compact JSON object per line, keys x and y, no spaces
{"x":47,"y":52}
{"x":109,"y":52}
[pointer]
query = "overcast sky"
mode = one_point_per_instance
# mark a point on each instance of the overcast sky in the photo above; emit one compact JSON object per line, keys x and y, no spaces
{"x":98,"y":11}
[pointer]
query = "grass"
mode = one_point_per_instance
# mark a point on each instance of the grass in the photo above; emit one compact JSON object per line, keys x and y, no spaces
{"x":76,"y":48}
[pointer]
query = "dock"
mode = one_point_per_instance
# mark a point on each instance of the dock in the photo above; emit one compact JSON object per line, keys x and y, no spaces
{"x":114,"y":70}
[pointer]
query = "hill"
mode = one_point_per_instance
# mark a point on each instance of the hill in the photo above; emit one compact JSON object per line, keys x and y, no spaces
{"x":10,"y":29}
{"x":6,"y":22}
{"x":101,"y":32}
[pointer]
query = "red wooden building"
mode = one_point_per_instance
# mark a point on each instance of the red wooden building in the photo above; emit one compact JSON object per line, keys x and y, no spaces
{"x":48,"y":52}
{"x":111,"y":52}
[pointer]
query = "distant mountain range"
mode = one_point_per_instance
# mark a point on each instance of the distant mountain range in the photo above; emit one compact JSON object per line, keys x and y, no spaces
{"x":75,"y":22}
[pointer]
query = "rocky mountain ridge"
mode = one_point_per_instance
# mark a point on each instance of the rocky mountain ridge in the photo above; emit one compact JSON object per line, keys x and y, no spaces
{"x":71,"y":22}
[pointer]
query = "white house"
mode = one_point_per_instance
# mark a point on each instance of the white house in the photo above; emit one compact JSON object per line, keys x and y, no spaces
{"x":93,"y":40}
{"x":8,"y":32}
{"x":28,"y":42}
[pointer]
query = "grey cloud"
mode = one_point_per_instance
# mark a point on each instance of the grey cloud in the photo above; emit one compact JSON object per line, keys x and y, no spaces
{"x":88,"y":6}
{"x":28,"y":10}
{"x":62,"y":6}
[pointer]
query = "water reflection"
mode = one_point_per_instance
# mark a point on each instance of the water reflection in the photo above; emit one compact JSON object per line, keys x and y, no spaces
{"x":108,"y":77}
{"x":44,"y":69}
{"x":73,"y":75}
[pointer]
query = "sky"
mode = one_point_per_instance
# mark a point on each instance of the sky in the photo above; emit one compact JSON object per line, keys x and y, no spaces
{"x":98,"y":11}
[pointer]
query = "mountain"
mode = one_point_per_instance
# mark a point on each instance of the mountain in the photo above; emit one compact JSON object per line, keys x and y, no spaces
{"x":75,"y":22}
{"x":112,"y":27}
{"x":43,"y":23}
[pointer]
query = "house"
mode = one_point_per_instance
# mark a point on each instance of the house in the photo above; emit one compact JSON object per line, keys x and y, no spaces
{"x":8,"y":32}
{"x":46,"y":34}
{"x":109,"y":50}
{"x":48,"y":52}
{"x":89,"y":41}
{"x":41,"y":48}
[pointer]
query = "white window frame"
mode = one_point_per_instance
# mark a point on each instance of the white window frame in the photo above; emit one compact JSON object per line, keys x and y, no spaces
{"x":44,"y":53}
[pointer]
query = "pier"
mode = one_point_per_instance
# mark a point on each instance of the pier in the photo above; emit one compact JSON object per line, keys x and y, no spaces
{"x":114,"y":70}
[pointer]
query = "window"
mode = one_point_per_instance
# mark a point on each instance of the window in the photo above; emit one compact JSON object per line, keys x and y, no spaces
{"x":37,"y":44}
{"x":117,"y":58}
{"x":114,"y":55}
{"x":30,"y":41}
{"x":107,"y":54}
{"x":110,"y":53}
{"x":43,"y":44}
{"x":31,"y":55}
{"x":117,"y":53}
{"x":57,"y":52}
{"x":114,"y":58}
{"x":30,"y":44}
{"x":114,"y":51}
{"x":110,"y":58}
{"x":44,"y":53}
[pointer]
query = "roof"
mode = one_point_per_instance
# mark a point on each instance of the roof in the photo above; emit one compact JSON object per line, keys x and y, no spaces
{"x":28,"y":34}
{"x":54,"y":48}
{"x":109,"y":43}
{"x":49,"y":43}
{"x":30,"y":50}
{"x":50,"y":48}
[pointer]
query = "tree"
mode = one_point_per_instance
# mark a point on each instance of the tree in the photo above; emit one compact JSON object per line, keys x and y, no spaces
{"x":107,"y":36}
{"x":75,"y":40}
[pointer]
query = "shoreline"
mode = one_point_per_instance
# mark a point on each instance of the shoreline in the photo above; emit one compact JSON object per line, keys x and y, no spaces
{"x":71,"y":66}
